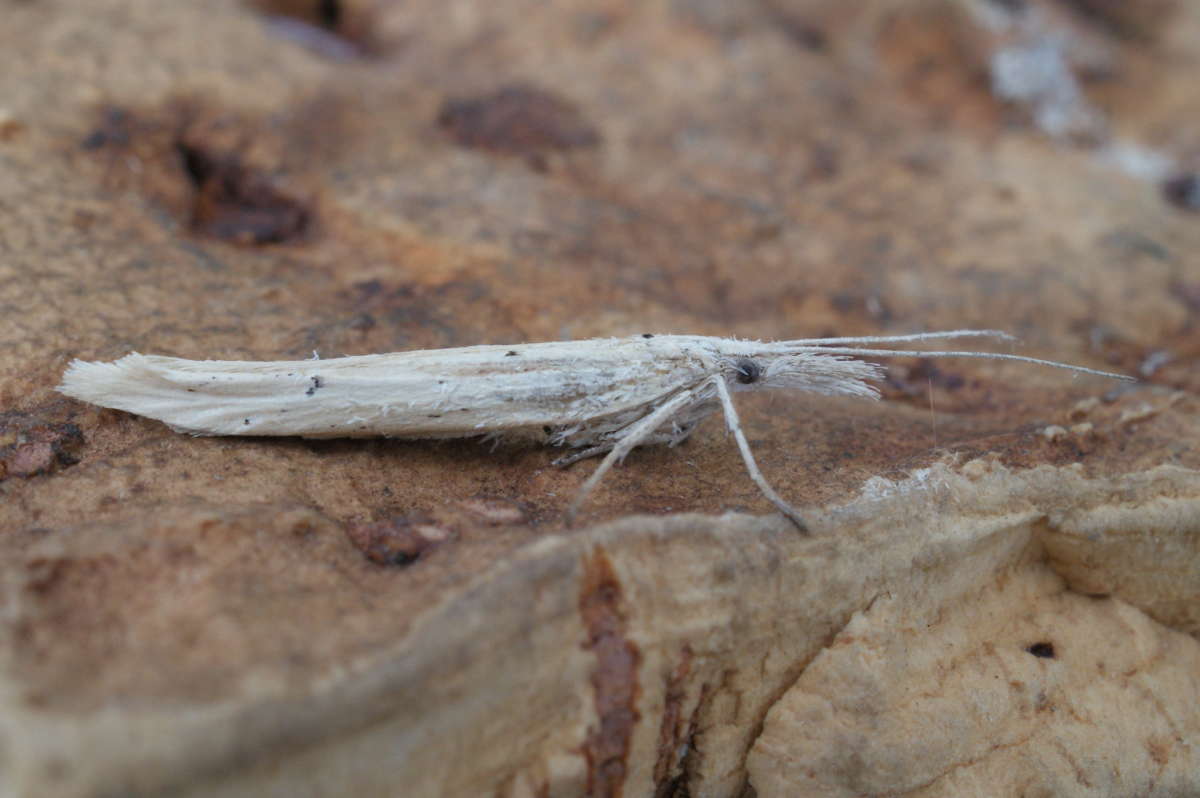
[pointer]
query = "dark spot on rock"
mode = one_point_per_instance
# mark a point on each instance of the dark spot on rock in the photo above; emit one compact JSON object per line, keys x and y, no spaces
{"x":516,"y":120}
{"x":1188,"y":293}
{"x":647,"y":335}
{"x":823,"y":162}
{"x":1044,"y":650}
{"x":925,"y":371}
{"x":1183,"y":191}
{"x":802,"y":32}
{"x":233,"y":202}
{"x":844,"y":303}
{"x":30,"y":446}
{"x":44,"y":574}
{"x":113,"y":129}
{"x":329,"y":13}
{"x":246,"y":421}
{"x":317,"y":383}
{"x":397,"y":541}
{"x":511,"y":353}
{"x":362,"y":322}
{"x":215,"y":169}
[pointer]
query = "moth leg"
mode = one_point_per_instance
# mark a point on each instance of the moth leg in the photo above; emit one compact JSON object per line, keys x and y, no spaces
{"x":735,"y":426}
{"x":634,"y":435}
{"x":678,"y":434}
{"x":591,"y":451}
{"x":671,"y":438}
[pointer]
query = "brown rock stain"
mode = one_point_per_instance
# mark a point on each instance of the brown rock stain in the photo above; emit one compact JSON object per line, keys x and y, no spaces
{"x":232,"y":201}
{"x":677,"y":787}
{"x":516,"y":120}
{"x":218,"y":171}
{"x":1159,"y":748}
{"x":397,"y":541}
{"x":671,"y":732}
{"x":614,"y":680}
{"x":30,"y":446}
{"x":10,"y":126}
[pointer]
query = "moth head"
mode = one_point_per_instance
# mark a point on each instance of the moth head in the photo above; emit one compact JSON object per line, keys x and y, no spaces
{"x":803,"y":371}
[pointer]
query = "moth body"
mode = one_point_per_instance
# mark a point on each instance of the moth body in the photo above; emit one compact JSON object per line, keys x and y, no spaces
{"x":579,"y":390}
{"x":601,"y":396}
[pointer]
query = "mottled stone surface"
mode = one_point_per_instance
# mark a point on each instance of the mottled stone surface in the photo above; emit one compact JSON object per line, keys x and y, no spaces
{"x":266,"y":179}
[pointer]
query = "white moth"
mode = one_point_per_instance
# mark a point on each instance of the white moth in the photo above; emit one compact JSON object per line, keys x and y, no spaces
{"x":601,"y":396}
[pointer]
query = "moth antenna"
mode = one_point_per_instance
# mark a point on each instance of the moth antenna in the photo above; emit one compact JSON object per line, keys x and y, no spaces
{"x":980,"y":355}
{"x":896,"y":339}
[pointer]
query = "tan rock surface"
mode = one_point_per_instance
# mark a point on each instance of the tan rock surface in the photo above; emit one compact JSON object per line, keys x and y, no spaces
{"x":261,"y":180}
{"x":995,"y":679}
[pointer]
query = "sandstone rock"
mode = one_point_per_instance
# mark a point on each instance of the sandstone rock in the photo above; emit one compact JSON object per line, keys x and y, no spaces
{"x":982,"y":602}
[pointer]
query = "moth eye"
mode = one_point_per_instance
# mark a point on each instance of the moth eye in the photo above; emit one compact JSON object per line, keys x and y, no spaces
{"x":747,"y":371}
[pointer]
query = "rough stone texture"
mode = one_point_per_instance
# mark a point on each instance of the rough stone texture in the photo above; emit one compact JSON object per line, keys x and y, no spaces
{"x":280,"y":617}
{"x":993,"y":678}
